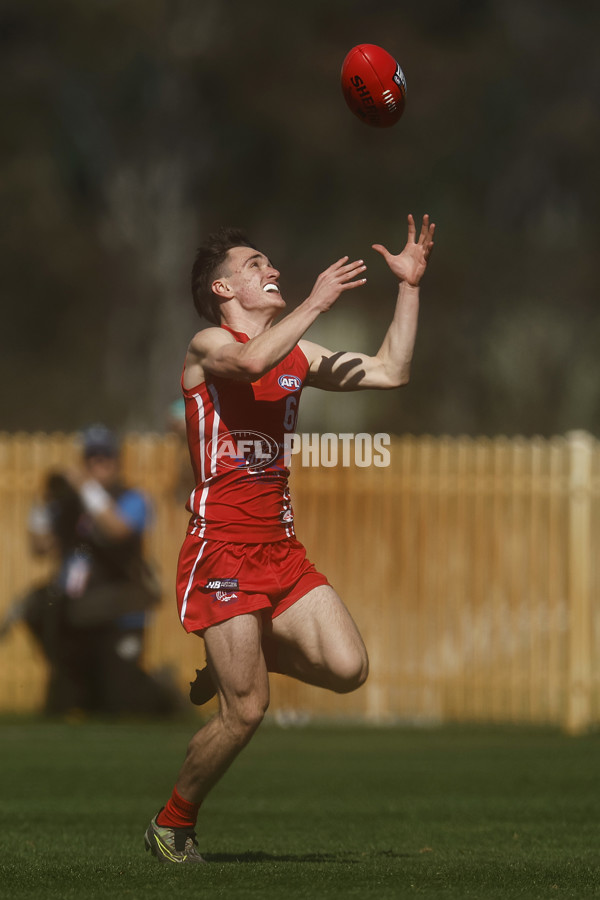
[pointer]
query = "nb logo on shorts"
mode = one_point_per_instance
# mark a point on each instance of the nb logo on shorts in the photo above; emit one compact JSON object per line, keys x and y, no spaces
{"x":222,"y":584}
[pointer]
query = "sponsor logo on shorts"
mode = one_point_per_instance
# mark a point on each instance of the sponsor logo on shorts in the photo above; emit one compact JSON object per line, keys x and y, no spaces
{"x":289,"y":382}
{"x":287,"y":516}
{"x":252,"y":450}
{"x":222,"y":584}
{"x":225,"y":597}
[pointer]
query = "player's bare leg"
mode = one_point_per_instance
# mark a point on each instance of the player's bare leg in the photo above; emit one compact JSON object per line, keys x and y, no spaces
{"x":315,"y":641}
{"x":319,"y":643}
{"x":237,"y":666}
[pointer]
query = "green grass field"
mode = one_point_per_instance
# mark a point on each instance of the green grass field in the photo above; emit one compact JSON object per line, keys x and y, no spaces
{"x":316,"y":812}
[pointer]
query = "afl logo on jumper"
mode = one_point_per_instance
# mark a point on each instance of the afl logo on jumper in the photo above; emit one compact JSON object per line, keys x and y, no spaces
{"x":289,"y":382}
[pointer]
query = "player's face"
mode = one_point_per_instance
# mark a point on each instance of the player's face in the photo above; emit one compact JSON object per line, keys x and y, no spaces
{"x":252,"y":279}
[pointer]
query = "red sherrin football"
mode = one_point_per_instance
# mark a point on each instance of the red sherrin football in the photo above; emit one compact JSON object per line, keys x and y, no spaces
{"x":374,"y":85}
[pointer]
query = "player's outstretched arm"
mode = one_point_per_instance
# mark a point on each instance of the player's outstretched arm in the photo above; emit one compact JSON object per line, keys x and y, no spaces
{"x":390,"y":367}
{"x":215,"y":351}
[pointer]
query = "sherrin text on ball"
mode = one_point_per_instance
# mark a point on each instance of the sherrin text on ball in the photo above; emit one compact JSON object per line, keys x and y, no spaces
{"x":374,"y":85}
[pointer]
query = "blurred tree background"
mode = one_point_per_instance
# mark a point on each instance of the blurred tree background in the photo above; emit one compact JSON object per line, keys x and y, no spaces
{"x":133,"y":127}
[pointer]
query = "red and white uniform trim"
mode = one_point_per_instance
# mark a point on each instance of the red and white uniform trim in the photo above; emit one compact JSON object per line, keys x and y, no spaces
{"x":236,"y":432}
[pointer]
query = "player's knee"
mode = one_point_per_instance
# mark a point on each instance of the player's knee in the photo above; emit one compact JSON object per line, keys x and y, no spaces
{"x":243,"y":716}
{"x":351,"y":672}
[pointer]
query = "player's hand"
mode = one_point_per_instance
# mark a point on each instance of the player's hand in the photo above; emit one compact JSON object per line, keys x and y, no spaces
{"x":341,"y":276}
{"x":410,"y":265}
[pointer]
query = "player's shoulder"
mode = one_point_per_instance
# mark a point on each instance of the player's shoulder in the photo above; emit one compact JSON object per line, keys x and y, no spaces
{"x":209,"y":338}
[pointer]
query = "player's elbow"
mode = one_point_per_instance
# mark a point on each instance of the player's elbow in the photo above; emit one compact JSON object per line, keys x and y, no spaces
{"x":252,"y":368}
{"x":403,"y":379}
{"x":396,"y":379}
{"x":391,"y":371}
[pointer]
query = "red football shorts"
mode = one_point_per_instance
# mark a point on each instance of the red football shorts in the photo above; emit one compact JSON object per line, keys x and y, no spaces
{"x":217,"y":580}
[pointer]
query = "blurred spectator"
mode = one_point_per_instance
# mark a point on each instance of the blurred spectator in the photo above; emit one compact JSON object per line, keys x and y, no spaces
{"x":176,"y":418}
{"x":89,"y":619}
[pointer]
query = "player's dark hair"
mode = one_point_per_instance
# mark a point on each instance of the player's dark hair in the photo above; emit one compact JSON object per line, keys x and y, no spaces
{"x":209,"y":257}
